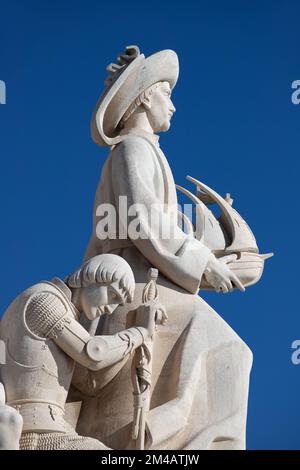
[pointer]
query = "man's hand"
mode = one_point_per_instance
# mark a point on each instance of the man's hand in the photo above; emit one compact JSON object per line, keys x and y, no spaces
{"x":11,"y":423}
{"x":150,"y":314}
{"x":219,"y":275}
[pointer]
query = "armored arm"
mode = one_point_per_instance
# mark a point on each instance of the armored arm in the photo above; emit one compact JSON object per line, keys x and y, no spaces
{"x":98,"y":352}
{"x":48,"y":316}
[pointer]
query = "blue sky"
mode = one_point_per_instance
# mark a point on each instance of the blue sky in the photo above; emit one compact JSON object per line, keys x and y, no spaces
{"x":235,"y":129}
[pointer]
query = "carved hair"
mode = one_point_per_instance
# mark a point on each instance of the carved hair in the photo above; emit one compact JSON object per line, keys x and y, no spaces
{"x":104,"y":269}
{"x":138,"y":102}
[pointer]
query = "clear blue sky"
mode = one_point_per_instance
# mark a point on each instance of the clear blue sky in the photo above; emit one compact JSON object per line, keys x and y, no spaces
{"x":235,"y":129}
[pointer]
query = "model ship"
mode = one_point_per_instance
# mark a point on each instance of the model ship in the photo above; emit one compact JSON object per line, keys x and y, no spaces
{"x":224,"y":235}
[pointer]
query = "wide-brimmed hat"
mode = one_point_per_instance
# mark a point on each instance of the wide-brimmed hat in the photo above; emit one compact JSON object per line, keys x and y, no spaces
{"x":127,"y":79}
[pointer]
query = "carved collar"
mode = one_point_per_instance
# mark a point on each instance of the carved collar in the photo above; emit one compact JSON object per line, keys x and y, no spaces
{"x":63,"y":287}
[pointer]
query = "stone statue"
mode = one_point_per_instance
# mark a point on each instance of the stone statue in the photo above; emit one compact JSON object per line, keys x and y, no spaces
{"x":200,"y":370}
{"x":193,"y":374}
{"x":10,"y":424}
{"x":44,"y":340}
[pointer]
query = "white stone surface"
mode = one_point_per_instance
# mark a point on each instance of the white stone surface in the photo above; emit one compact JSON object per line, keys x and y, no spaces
{"x":195,"y":367}
{"x":200,"y":366}
{"x":44,"y":340}
{"x":10,"y":424}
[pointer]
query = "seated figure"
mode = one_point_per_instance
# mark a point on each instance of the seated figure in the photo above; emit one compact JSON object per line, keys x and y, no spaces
{"x":44,"y":340}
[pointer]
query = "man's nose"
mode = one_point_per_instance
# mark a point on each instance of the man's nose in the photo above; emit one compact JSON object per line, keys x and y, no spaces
{"x":172,"y":108}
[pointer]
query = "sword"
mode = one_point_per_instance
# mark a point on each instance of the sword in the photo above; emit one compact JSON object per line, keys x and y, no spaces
{"x":141,"y":372}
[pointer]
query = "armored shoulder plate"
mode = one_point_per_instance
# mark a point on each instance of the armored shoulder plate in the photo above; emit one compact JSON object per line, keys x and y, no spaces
{"x":45,"y":315}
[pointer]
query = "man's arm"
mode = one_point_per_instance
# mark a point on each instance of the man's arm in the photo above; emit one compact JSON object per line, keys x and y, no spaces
{"x":98,"y":352}
{"x":179,"y":257}
{"x":48,"y":317}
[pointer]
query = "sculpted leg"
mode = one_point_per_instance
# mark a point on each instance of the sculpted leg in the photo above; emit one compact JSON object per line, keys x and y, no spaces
{"x":210,"y":405}
{"x":200,"y":383}
{"x":225,"y":382}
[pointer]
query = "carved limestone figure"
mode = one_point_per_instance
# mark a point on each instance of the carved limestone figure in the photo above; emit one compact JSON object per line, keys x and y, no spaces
{"x":200,"y":370}
{"x":194,"y":377}
{"x":44,"y":340}
{"x":10,"y":424}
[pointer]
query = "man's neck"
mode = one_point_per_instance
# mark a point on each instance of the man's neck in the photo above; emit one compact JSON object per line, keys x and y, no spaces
{"x":153,"y":138}
{"x":138,"y":120}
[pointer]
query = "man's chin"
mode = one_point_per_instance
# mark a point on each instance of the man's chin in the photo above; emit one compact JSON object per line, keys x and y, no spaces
{"x":165,"y":127}
{"x":93,"y":315}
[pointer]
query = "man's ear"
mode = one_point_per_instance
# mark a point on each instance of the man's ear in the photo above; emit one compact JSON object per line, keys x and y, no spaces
{"x":147,"y":102}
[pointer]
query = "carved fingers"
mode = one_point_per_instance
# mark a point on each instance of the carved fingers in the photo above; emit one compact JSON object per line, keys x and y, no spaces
{"x":219,"y":275}
{"x":234,"y":279}
{"x":237,"y":282}
{"x":150,"y":314}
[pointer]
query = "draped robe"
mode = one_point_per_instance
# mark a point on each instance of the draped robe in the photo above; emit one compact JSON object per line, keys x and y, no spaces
{"x":200,"y":366}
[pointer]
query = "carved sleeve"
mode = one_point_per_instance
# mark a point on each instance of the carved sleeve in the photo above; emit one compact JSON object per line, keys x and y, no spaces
{"x":98,"y":352}
{"x":137,"y":174}
{"x":47,"y":316}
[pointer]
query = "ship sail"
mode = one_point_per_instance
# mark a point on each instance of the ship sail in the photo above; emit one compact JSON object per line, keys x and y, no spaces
{"x":226,"y":234}
{"x":229,"y":232}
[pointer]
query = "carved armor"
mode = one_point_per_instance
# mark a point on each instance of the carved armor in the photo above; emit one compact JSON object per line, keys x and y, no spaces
{"x":59,"y":441}
{"x":43,"y":340}
{"x":37,"y":373}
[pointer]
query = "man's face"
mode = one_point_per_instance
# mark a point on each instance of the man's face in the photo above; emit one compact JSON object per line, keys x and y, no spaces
{"x":100,"y":299}
{"x":160,"y":108}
